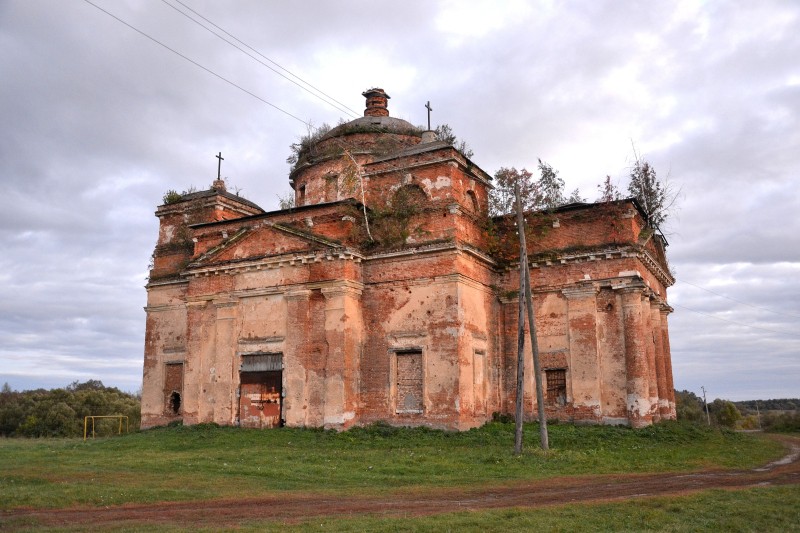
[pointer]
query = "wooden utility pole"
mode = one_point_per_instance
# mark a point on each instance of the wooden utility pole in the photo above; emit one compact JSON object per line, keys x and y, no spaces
{"x":525,"y":292}
{"x":758,"y":415}
{"x":544,"y":439}
{"x":708,"y":417}
{"x":518,"y":414}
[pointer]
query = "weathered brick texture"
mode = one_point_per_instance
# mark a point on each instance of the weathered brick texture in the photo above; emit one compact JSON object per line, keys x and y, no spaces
{"x":414,"y":326}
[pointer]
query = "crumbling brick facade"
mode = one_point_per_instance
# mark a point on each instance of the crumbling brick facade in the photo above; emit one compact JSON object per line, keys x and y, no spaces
{"x":388,"y":294}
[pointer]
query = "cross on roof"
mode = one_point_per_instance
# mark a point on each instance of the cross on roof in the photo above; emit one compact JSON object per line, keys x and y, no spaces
{"x":429,"y":108}
{"x":219,"y":165}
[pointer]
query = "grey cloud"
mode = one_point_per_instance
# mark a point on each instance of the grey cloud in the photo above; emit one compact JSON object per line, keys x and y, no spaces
{"x":100,"y":122}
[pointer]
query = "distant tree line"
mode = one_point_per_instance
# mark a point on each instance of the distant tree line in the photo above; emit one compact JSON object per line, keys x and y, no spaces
{"x":783,"y":404}
{"x":61,"y":412}
{"x":772,"y":415}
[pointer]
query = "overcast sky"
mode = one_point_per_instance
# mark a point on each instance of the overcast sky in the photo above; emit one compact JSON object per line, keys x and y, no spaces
{"x":99,"y":121}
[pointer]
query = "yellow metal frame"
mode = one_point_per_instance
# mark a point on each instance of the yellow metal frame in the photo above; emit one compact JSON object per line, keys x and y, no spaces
{"x":120,"y":417}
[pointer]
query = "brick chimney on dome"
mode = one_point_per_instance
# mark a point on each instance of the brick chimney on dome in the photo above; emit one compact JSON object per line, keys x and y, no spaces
{"x":377,"y":103}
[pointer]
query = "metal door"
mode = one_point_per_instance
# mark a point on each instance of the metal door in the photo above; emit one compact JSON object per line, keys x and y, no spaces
{"x":260,"y":399}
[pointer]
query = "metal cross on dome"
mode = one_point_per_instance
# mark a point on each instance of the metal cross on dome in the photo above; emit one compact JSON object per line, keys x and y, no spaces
{"x":219,"y":165}
{"x":429,"y":108}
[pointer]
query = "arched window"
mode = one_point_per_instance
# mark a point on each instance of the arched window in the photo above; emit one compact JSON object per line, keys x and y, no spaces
{"x":472,"y":202}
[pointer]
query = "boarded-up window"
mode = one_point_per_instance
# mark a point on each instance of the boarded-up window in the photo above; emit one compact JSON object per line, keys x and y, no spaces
{"x":478,"y":366}
{"x":479,"y":388}
{"x":331,"y":188}
{"x":556,"y":386}
{"x":408,"y":381}
{"x":173,"y":388}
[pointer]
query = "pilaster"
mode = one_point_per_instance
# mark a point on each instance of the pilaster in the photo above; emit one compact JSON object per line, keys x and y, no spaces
{"x":344,"y":336}
{"x":661,"y":369}
{"x":223,"y":374}
{"x":665,"y":311}
{"x":650,"y":349}
{"x":508,"y":357}
{"x":296,"y":400}
{"x":638,"y":404}
{"x":200,"y":332}
{"x":584,"y":361}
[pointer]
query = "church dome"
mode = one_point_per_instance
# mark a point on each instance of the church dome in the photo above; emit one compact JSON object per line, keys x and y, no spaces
{"x":376,"y":119}
{"x":323,"y":160}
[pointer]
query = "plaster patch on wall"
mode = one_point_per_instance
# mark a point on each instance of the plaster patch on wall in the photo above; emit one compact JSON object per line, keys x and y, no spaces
{"x":441,"y":182}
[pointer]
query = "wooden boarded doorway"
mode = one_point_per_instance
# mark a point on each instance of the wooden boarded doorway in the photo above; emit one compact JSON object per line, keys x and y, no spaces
{"x":408,"y":382}
{"x":261,"y":390}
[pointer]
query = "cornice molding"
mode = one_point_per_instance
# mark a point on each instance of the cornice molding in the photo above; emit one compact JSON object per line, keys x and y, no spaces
{"x":165,"y":283}
{"x":609,"y":253}
{"x":273,"y":262}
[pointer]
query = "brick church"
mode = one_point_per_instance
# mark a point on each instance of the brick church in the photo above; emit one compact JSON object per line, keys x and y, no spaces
{"x":387,"y":293}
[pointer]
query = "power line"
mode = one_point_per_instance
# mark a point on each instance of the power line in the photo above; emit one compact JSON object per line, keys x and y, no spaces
{"x":792,"y":334}
{"x":317,"y":93}
{"x":195,"y":63}
{"x":739,"y":301}
{"x":352,"y":111}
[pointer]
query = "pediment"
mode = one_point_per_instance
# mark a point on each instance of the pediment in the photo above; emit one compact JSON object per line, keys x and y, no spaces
{"x":266,"y":240}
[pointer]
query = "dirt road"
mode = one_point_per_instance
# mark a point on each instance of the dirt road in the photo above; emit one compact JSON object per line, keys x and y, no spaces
{"x":218,"y":513}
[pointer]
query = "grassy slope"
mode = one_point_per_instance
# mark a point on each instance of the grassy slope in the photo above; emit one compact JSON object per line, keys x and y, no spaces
{"x":203,"y":462}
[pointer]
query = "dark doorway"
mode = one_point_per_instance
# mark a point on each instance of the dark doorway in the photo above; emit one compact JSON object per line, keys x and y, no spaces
{"x":175,"y":402}
{"x":173,"y":388}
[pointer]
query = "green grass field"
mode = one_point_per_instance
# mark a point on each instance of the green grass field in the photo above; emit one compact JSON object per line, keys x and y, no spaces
{"x":205,"y":462}
{"x":762,"y":510}
{"x":774,"y":509}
